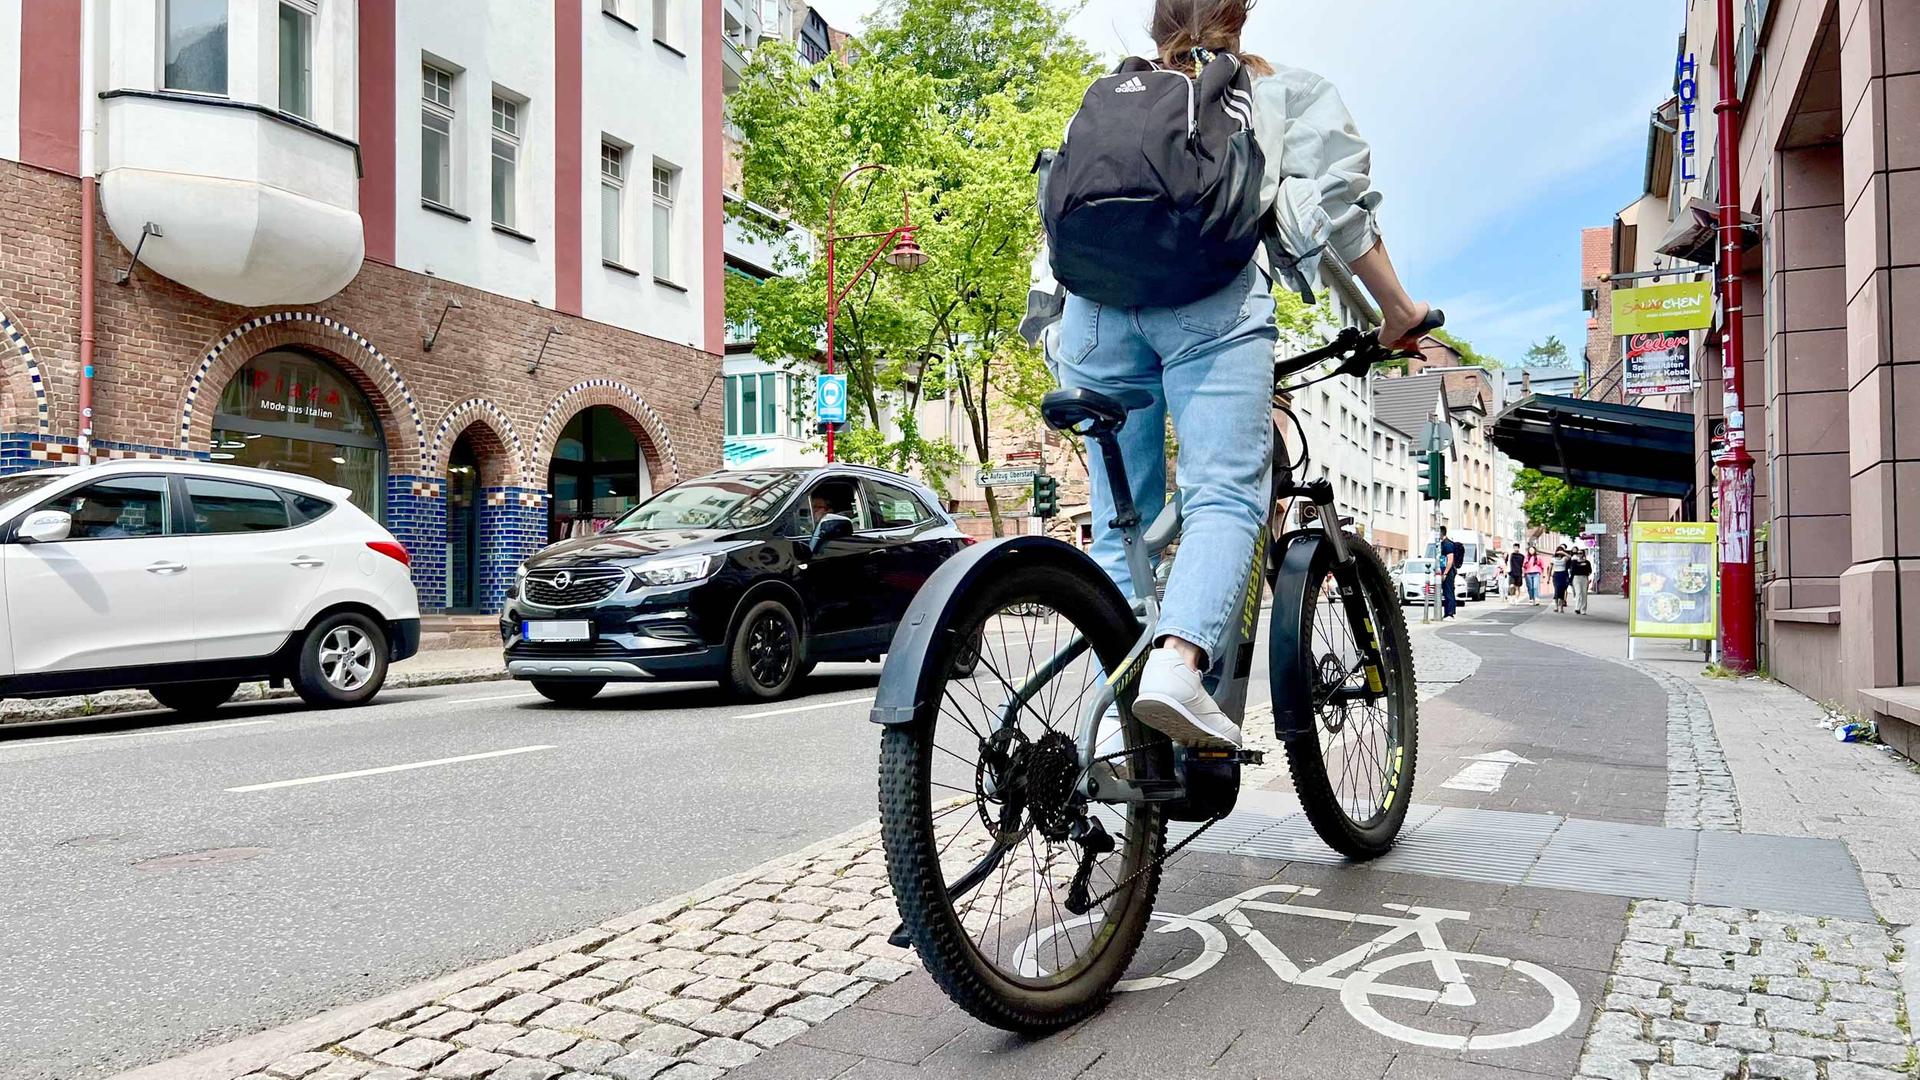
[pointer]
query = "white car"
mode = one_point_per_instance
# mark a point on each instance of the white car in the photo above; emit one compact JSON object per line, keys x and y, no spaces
{"x":1416,"y":581}
{"x":185,"y":579}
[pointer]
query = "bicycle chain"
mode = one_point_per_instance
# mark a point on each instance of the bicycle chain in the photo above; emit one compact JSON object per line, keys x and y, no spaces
{"x":1164,"y":856}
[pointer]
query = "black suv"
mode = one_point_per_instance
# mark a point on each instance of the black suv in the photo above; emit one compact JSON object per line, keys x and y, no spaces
{"x":750,"y":578}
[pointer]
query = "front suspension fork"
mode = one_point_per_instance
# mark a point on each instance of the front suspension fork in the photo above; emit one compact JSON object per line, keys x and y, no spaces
{"x":1346,"y":575}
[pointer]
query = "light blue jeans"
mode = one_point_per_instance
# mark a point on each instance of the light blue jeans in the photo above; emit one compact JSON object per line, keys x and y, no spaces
{"x":1210,"y":365}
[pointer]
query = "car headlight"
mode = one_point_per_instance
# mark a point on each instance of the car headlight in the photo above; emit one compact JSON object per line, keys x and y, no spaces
{"x":675,"y":571}
{"x":519,"y":582}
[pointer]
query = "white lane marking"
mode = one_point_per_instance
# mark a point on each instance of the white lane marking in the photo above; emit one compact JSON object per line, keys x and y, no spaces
{"x":494,"y":697}
{"x":1487,"y":771}
{"x":390,"y":769}
{"x":131,"y":734}
{"x":804,"y":708}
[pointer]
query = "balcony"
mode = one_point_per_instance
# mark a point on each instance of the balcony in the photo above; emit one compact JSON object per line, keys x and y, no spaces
{"x":254,"y":207}
{"x":759,"y":248}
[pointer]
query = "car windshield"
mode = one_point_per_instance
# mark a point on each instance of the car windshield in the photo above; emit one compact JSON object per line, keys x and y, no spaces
{"x":730,"y":501}
{"x":13,"y":487}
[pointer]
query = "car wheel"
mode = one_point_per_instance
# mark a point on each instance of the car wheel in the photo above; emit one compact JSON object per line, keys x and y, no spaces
{"x":567,"y":692}
{"x":343,"y":661}
{"x":763,"y":661}
{"x":194,"y":697}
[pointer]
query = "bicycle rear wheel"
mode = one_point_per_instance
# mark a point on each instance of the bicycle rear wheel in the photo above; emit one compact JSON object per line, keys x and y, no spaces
{"x":980,"y":810}
{"x":1354,"y":770}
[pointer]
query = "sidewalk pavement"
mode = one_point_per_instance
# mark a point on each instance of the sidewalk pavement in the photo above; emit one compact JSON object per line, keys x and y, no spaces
{"x":1602,"y":948}
{"x":435,"y":667}
{"x":1792,"y":777}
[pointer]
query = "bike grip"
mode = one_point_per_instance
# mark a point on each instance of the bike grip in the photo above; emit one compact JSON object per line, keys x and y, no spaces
{"x":1435,"y":320}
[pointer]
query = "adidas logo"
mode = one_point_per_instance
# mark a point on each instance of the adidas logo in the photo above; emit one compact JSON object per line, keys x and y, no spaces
{"x":1131,"y":86}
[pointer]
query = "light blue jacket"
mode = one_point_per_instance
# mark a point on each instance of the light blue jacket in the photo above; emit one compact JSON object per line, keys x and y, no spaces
{"x":1317,"y":182}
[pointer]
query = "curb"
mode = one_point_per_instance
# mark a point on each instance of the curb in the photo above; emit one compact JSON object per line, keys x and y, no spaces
{"x":115,"y":702}
{"x":251,"y":1053}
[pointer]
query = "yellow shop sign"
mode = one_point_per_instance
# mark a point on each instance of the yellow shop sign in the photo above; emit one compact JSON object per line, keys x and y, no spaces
{"x":1650,"y":310}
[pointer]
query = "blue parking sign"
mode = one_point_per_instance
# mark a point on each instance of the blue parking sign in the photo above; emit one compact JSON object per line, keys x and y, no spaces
{"x":830,"y":398}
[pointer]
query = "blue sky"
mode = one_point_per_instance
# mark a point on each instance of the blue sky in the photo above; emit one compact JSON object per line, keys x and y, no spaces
{"x":1500,"y":129}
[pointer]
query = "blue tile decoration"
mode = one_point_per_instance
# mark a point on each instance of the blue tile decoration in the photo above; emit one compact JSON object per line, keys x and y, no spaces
{"x":513,"y":525}
{"x":16,"y":339}
{"x":24,"y":450}
{"x":417,"y":517}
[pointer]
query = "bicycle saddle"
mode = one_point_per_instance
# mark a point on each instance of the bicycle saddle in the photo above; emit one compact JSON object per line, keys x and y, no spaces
{"x":1069,"y":408}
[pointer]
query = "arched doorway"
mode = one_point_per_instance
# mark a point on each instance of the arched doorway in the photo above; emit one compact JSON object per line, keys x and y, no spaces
{"x":294,"y":412}
{"x":598,"y":472}
{"x":463,"y":526}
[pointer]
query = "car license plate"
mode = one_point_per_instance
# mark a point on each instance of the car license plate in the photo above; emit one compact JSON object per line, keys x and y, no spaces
{"x":557,"y":630}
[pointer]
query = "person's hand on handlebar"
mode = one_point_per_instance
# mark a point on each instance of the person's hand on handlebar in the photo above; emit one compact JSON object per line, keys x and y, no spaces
{"x":1401,"y":315}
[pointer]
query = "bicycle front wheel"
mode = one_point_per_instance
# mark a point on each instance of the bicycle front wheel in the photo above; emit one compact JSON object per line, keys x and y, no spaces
{"x":981,"y":812}
{"x":1339,"y":633}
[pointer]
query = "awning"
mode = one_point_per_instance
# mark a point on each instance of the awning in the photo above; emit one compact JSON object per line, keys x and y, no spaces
{"x":1598,"y":444}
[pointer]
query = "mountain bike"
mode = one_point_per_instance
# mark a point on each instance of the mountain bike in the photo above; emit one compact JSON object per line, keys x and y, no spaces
{"x":1025,"y":795}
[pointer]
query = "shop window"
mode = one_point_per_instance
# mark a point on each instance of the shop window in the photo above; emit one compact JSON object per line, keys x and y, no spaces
{"x":296,"y":413}
{"x":598,"y":473}
{"x":436,"y":136}
{"x":296,"y":57}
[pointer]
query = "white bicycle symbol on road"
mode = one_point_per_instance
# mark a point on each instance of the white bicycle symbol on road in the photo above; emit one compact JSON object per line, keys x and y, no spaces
{"x":1356,"y":973}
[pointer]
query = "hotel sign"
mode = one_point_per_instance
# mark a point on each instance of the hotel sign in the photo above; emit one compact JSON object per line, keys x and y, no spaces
{"x":1686,"y":90}
{"x":1655,"y":309}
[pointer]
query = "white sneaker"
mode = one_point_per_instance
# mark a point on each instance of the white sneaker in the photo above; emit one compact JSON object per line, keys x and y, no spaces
{"x":1174,"y":701}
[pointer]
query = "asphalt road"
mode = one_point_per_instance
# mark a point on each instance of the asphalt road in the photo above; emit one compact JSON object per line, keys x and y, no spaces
{"x":151,"y":909}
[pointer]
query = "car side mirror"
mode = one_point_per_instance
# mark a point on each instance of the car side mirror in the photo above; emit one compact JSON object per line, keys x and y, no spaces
{"x":45,"y":527}
{"x":832,"y":527}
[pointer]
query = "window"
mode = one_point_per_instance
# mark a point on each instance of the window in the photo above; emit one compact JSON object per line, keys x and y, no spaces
{"x":307,"y":507}
{"x":664,"y":181}
{"x":436,"y":136}
{"x":296,"y":59}
{"x":116,"y":509}
{"x":894,"y":507}
{"x":613,"y":194}
{"x":506,"y":159}
{"x":196,"y":46}
{"x":834,"y":495}
{"x":222,"y":506}
{"x":662,"y":21}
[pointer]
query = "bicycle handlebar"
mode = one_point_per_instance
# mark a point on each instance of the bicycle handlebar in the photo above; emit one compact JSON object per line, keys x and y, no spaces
{"x":1357,"y":351}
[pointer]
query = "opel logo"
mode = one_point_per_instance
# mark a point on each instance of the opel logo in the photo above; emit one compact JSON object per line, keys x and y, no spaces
{"x":563,"y":579}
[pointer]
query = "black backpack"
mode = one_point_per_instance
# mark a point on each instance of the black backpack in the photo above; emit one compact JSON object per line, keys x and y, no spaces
{"x":1154,"y":199}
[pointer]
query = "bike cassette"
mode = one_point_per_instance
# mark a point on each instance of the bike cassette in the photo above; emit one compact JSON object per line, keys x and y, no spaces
{"x":1053,"y":776}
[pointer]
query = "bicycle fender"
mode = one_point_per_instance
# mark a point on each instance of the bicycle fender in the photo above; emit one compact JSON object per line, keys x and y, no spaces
{"x":1292,"y":697}
{"x":905,"y":681}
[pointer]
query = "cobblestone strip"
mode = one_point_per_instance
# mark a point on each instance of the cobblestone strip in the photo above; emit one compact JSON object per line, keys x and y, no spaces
{"x":685,"y":995}
{"x":1709,"y":993}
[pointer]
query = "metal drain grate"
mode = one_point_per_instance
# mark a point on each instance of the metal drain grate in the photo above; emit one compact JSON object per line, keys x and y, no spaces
{"x":1624,"y":860}
{"x":1476,"y":845}
{"x":1806,"y":875}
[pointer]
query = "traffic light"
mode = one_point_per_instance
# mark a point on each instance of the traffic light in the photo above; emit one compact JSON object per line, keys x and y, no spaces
{"x":1046,"y":496}
{"x":1433,"y":476}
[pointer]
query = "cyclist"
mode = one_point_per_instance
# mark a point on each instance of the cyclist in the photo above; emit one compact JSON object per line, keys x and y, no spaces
{"x":1209,"y":362}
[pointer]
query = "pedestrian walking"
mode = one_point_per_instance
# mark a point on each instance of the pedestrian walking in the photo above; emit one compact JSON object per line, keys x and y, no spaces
{"x":1516,"y":574}
{"x":1579,"y":574}
{"x":1451,"y":552}
{"x":1560,"y":578}
{"x":1534,"y":567}
{"x":1122,"y":307}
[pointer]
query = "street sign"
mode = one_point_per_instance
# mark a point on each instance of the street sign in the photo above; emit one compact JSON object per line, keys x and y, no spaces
{"x":1013,"y":477}
{"x":830,"y":398}
{"x":1024,"y":455}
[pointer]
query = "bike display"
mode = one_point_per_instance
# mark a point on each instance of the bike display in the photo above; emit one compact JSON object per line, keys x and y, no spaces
{"x":1024,"y":808}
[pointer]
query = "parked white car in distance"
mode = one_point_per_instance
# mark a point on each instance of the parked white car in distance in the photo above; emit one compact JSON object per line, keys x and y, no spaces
{"x":186,"y":578}
{"x":1415,"y":580}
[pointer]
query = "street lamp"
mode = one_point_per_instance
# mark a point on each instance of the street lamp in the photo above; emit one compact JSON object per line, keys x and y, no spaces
{"x":897,"y":245}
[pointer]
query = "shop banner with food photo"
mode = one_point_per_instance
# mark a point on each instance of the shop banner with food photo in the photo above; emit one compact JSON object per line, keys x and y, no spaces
{"x":1675,"y":580}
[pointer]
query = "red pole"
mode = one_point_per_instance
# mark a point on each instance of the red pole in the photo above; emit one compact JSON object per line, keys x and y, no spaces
{"x":833,"y":309}
{"x":1739,"y":636}
{"x":88,"y":200}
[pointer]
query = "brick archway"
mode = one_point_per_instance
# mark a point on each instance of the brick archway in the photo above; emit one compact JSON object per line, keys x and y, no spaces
{"x":501,"y":436}
{"x":656,"y":442}
{"x":27,"y":405}
{"x":364,"y":363}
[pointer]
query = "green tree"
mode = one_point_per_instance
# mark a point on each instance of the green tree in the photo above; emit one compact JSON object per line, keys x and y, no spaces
{"x":1553,"y":504}
{"x":1549,"y":353}
{"x":956,"y":100}
{"x":1468,"y":354}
